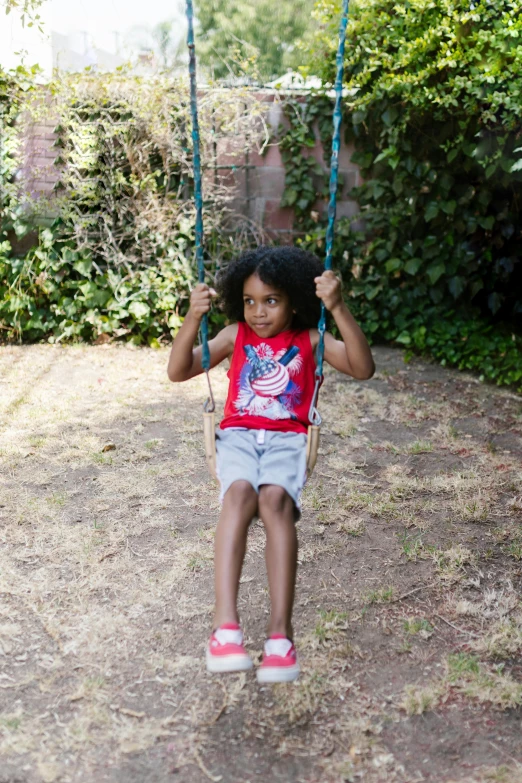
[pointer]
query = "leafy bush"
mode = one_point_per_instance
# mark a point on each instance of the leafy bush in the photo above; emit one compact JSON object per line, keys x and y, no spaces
{"x":433,"y":104}
{"x":465,"y":340}
{"x":57,"y":293}
{"x":117,"y":259}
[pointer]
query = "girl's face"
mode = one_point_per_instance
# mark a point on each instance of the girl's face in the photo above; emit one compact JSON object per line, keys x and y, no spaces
{"x":267,"y":309}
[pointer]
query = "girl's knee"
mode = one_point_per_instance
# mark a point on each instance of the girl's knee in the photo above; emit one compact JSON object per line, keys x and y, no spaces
{"x":241,"y":492}
{"x":274,"y":500}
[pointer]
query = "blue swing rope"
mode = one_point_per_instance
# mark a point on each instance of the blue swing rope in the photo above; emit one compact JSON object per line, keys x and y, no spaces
{"x":314,"y":416}
{"x":198,"y":198}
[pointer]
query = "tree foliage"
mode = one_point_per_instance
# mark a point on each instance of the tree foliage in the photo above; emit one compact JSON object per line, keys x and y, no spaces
{"x":256,"y":39}
{"x":167,"y":45}
{"x":28,"y":10}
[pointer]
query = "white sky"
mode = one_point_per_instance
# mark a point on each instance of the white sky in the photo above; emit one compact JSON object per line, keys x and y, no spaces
{"x":99,"y":18}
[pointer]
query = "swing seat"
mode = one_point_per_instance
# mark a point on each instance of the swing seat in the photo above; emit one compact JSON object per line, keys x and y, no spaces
{"x":209,"y":433}
{"x":312,"y":447}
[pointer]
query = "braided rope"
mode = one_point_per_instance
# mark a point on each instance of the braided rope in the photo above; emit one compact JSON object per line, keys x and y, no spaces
{"x":332,"y":205}
{"x":334,"y":175}
{"x":198,"y":193}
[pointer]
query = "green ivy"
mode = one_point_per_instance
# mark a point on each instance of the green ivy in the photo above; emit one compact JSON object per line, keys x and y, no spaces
{"x":304,"y":175}
{"x":455,"y":338}
{"x":433,"y":99}
{"x":56,"y":293}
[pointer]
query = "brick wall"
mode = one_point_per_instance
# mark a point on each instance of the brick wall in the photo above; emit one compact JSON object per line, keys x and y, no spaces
{"x":257,"y":180}
{"x":39,"y":173}
{"x":258,"y":188}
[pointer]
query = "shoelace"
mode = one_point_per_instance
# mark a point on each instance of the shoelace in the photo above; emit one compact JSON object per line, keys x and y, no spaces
{"x":278,"y":647}
{"x":229,"y":636}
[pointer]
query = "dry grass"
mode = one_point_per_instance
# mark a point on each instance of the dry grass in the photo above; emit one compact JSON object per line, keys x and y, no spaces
{"x":466,"y":676}
{"x":451,"y":562}
{"x":106,"y":538}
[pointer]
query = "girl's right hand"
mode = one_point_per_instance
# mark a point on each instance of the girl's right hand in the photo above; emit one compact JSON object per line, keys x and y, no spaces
{"x":201,"y":300}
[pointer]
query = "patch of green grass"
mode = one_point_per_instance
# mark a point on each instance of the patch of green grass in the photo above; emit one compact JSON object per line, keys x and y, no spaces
{"x":206,"y":534}
{"x":502,"y":774}
{"x":100,"y":458}
{"x":346,"y":432}
{"x":10,"y":722}
{"x":450,"y":562}
{"x":195,"y":563}
{"x":95,"y":683}
{"x":385,"y":508}
{"x":472,"y":679}
{"x":330,"y":623}
{"x":314,"y":496}
{"x":420,"y":447}
{"x":515,"y":550}
{"x":411,"y":545}
{"x":358,"y":500}
{"x":324,"y":517}
{"x":500,"y":534}
{"x":37,"y":441}
{"x":380,"y":596}
{"x":418,"y":626}
{"x":153,"y":443}
{"x":502,"y":640}
{"x":57,"y":499}
{"x":474,"y":511}
{"x":462,"y":663}
{"x":492,"y":687}
{"x":384,"y":446}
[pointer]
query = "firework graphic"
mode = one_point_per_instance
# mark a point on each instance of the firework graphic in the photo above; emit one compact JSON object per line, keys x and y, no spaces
{"x":266,"y":387}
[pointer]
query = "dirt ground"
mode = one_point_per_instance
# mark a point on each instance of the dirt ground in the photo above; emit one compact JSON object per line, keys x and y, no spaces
{"x":408,"y":614}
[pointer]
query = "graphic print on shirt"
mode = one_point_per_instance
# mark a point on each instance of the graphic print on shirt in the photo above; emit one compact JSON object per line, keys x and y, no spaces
{"x":265,"y":382}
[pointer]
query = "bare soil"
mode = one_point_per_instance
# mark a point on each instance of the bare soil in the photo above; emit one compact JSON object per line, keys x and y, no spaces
{"x":408,"y":614}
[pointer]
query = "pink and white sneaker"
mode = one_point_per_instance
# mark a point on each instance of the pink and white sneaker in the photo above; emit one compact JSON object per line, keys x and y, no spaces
{"x":225,"y":651}
{"x":279,"y":662}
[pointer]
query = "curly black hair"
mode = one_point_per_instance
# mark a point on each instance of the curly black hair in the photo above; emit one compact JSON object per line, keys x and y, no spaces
{"x":289,"y":269}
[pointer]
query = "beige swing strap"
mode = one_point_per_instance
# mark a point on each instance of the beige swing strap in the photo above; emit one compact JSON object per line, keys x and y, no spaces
{"x":314,"y":430}
{"x":209,"y":430}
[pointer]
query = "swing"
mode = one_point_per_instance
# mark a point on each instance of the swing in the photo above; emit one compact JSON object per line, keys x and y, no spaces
{"x":209,"y":407}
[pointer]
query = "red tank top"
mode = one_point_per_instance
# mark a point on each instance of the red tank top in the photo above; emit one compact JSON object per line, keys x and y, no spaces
{"x":271,"y":381}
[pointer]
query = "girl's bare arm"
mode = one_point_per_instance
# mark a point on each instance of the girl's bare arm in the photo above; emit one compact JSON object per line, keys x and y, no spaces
{"x":185,"y":359}
{"x":352,"y":354}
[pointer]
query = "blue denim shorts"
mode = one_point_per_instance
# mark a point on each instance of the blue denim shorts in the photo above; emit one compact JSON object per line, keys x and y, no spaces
{"x":262,"y":457}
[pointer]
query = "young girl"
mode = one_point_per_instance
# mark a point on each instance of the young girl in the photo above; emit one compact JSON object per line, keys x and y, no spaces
{"x":273,"y":294}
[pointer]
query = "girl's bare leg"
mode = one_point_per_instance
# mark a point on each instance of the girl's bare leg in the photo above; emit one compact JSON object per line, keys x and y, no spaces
{"x":276,"y":509}
{"x":239,"y":507}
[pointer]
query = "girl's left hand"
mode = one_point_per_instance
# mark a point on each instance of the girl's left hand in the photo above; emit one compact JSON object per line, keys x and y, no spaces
{"x":328,"y":288}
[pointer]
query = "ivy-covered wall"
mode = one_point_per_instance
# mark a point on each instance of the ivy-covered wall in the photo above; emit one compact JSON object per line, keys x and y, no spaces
{"x":255,"y":174}
{"x":114,"y":256}
{"x":433,"y":105}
